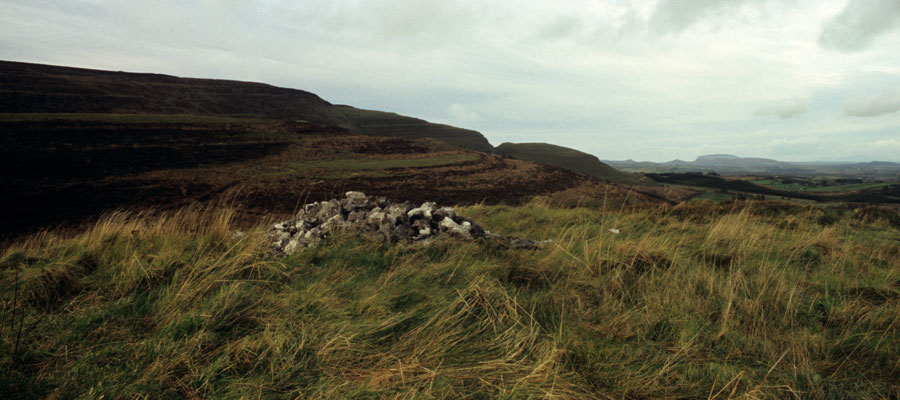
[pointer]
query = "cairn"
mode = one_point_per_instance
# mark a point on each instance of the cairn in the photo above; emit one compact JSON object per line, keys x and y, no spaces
{"x":380,"y":219}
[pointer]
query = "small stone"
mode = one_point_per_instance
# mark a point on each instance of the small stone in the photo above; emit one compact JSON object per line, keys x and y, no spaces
{"x":423,"y":211}
{"x":291,"y":247}
{"x":475,"y":229}
{"x":422,"y":228}
{"x":376,"y":217}
{"x":396,"y":213}
{"x":312,"y":234}
{"x":356,"y":216}
{"x":444,"y":212}
{"x":333,"y":223}
{"x":355,"y":200}
{"x":461,"y":230}
{"x":329,"y":209}
{"x":380,"y":202}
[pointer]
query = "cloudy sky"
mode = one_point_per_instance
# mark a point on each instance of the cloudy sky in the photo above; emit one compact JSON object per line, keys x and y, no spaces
{"x":648,"y":80}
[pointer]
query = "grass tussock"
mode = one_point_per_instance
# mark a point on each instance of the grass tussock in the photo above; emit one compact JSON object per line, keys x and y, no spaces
{"x":750,"y":300}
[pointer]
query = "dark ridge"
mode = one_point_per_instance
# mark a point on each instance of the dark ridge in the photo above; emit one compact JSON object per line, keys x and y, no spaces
{"x":36,"y":88}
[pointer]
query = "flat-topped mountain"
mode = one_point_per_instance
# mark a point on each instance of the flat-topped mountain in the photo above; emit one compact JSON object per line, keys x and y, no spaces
{"x":716,"y":157}
{"x":730,"y":161}
{"x":35,"y":88}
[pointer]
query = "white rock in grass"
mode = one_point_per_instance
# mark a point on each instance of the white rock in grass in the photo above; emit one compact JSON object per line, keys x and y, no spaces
{"x":462,"y":230}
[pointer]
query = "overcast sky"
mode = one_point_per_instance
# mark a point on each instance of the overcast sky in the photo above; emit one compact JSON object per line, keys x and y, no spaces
{"x":648,"y":80}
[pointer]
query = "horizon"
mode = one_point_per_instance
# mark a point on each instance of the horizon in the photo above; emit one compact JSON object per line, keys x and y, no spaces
{"x":659,"y":80}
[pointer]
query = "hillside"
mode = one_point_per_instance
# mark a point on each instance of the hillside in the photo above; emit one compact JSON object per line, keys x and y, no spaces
{"x":566,"y":158}
{"x":34,"y":88}
{"x":380,"y":123}
{"x":75,"y":142}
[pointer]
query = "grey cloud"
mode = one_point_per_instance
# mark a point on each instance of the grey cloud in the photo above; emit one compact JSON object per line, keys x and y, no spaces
{"x":885,"y":102}
{"x":859,"y":24}
{"x":559,"y":28}
{"x":394,"y":21}
{"x":783,"y":109}
{"x":674,"y":16}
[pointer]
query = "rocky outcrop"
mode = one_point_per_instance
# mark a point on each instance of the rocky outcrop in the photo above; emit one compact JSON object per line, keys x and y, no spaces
{"x":377,"y":218}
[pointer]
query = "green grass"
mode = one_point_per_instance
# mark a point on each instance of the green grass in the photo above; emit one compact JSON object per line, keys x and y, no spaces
{"x":703,"y":300}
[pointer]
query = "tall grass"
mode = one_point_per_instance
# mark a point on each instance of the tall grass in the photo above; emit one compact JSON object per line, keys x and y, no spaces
{"x":751,"y":300}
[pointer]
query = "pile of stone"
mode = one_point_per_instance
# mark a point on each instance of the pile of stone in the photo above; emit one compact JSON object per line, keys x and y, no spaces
{"x":380,"y":219}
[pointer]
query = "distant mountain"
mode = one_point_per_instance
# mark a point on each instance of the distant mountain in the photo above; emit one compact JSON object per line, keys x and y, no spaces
{"x":727,"y":164}
{"x":566,"y":158}
{"x":716,"y":157}
{"x":730,"y":161}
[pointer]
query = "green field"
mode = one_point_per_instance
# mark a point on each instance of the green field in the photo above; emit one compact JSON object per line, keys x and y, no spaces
{"x":801,"y":187}
{"x":742,"y":300}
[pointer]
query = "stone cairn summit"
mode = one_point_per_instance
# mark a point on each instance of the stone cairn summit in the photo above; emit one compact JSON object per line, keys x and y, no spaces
{"x":380,"y":219}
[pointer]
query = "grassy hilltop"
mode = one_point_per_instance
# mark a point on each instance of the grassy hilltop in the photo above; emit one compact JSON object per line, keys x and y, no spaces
{"x":135,"y":261}
{"x":567,"y":158}
{"x":740,"y":300}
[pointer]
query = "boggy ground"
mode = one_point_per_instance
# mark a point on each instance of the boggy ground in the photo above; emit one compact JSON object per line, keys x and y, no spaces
{"x":70,"y":167}
{"x":701,"y":300}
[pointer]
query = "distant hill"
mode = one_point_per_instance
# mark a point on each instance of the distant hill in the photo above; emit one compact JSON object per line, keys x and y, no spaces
{"x":726,"y":164}
{"x":716,"y":157}
{"x":567,"y":158}
{"x":379,"y":123}
{"x":730,"y":161}
{"x":35,"y":88}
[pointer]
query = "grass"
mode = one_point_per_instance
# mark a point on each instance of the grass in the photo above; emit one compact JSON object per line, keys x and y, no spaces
{"x":702,"y":300}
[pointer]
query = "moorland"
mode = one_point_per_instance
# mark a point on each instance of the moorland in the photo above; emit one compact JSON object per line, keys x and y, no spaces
{"x":137,"y":263}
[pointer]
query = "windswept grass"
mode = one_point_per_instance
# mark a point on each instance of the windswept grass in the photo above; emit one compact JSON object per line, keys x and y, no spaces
{"x":741,"y":300}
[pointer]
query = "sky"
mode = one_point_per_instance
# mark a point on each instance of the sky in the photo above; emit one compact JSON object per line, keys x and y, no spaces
{"x":656,"y":80}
